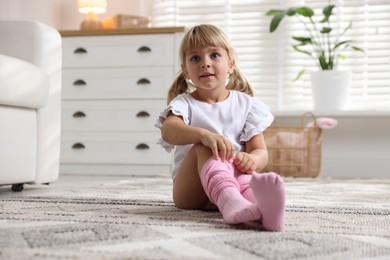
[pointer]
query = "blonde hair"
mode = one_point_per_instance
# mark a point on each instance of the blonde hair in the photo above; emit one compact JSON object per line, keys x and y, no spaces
{"x":201,"y":36}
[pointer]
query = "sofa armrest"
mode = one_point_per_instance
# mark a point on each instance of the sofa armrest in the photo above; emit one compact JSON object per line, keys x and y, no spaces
{"x":22,"y":84}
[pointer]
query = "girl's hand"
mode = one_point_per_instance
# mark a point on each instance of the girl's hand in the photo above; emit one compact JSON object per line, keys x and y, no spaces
{"x":220,"y":146}
{"x":245,"y":162}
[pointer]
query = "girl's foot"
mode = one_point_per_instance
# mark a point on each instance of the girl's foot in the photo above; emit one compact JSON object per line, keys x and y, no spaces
{"x":269,"y":192}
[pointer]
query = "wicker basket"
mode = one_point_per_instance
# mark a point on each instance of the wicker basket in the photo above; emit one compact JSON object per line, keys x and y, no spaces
{"x":294,"y":151}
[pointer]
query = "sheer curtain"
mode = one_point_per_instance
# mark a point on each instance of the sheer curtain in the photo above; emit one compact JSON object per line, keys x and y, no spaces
{"x":270,"y":62}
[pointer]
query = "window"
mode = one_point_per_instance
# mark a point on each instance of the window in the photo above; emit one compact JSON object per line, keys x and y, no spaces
{"x":270,"y":62}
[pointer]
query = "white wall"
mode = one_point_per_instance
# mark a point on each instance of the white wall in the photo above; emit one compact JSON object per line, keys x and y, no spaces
{"x":45,"y":11}
{"x":63,"y":14}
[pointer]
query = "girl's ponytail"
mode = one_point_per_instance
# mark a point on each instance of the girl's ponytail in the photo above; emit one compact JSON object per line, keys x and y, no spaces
{"x":179,"y":86}
{"x":239,"y":82}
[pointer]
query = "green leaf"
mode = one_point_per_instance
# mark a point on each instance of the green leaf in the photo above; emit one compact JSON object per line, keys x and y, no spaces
{"x":324,"y":20}
{"x":303,"y":40}
{"x":276,"y":21}
{"x":341,"y":43}
{"x":305,"y":11}
{"x":357,"y":49}
{"x":291,"y":11}
{"x":300,"y":50}
{"x":272,"y":12}
{"x":341,"y":57}
{"x":327,"y":11}
{"x":299,"y":75}
{"x":326,"y":30}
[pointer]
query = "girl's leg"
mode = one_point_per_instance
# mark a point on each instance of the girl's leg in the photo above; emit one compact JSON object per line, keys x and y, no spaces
{"x":223,"y":190}
{"x":188,"y":192}
{"x":218,"y":183}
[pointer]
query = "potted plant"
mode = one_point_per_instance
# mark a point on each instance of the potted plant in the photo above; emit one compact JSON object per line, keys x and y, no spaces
{"x":325,"y":46}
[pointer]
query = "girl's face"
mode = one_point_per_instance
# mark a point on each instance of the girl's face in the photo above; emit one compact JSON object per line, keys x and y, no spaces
{"x":207,"y":67}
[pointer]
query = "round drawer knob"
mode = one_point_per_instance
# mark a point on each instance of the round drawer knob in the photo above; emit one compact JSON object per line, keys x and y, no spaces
{"x":142,"y":114}
{"x":80,"y":50}
{"x":143,"y":81}
{"x":79,"y":114}
{"x":79,"y":83}
{"x":144,"y":49}
{"x":78,"y":146}
{"x":142,"y":146}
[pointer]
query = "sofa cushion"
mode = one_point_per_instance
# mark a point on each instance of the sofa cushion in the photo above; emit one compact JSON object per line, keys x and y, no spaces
{"x":22,"y":84}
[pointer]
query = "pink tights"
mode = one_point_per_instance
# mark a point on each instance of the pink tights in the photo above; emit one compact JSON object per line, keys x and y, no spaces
{"x":244,"y":197}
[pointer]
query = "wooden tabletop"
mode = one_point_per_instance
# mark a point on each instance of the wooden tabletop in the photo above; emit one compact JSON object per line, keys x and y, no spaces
{"x":150,"y":30}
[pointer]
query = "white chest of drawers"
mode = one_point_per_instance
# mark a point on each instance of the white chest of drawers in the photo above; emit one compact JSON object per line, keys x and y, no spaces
{"x":114,"y":87}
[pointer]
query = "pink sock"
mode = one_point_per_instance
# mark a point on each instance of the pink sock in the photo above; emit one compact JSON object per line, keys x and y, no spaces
{"x":224,"y":191}
{"x":269,"y":192}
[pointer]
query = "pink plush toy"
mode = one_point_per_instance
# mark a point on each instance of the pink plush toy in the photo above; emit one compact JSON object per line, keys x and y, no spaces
{"x":324,"y":123}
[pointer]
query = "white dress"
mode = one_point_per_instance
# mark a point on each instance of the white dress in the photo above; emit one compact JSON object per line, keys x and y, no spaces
{"x":239,"y":117}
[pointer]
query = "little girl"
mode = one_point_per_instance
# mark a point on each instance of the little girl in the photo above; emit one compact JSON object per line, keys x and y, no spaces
{"x":215,"y":126}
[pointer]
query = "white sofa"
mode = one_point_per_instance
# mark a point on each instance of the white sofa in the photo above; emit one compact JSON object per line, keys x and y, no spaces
{"x":30,"y":103}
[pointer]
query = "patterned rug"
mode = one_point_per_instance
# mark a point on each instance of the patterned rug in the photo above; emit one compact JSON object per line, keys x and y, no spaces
{"x":135,"y":219}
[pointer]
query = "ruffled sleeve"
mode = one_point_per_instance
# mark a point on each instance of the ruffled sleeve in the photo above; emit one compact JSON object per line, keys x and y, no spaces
{"x":259,"y":118}
{"x":178,"y":107}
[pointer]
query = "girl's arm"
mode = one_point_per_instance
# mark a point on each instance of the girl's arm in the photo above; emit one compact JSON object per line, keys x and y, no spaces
{"x":255,"y":156}
{"x":176,"y":132}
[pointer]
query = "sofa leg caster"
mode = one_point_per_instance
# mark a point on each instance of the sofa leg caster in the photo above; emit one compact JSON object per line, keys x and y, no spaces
{"x":17,"y":187}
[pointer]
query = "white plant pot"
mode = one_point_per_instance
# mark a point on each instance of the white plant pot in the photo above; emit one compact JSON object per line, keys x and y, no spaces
{"x":330,"y":89}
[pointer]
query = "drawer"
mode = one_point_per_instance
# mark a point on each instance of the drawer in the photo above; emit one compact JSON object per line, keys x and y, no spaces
{"x":109,"y":83}
{"x":113,"y":148}
{"x":120,"y":50}
{"x":105,"y":116}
